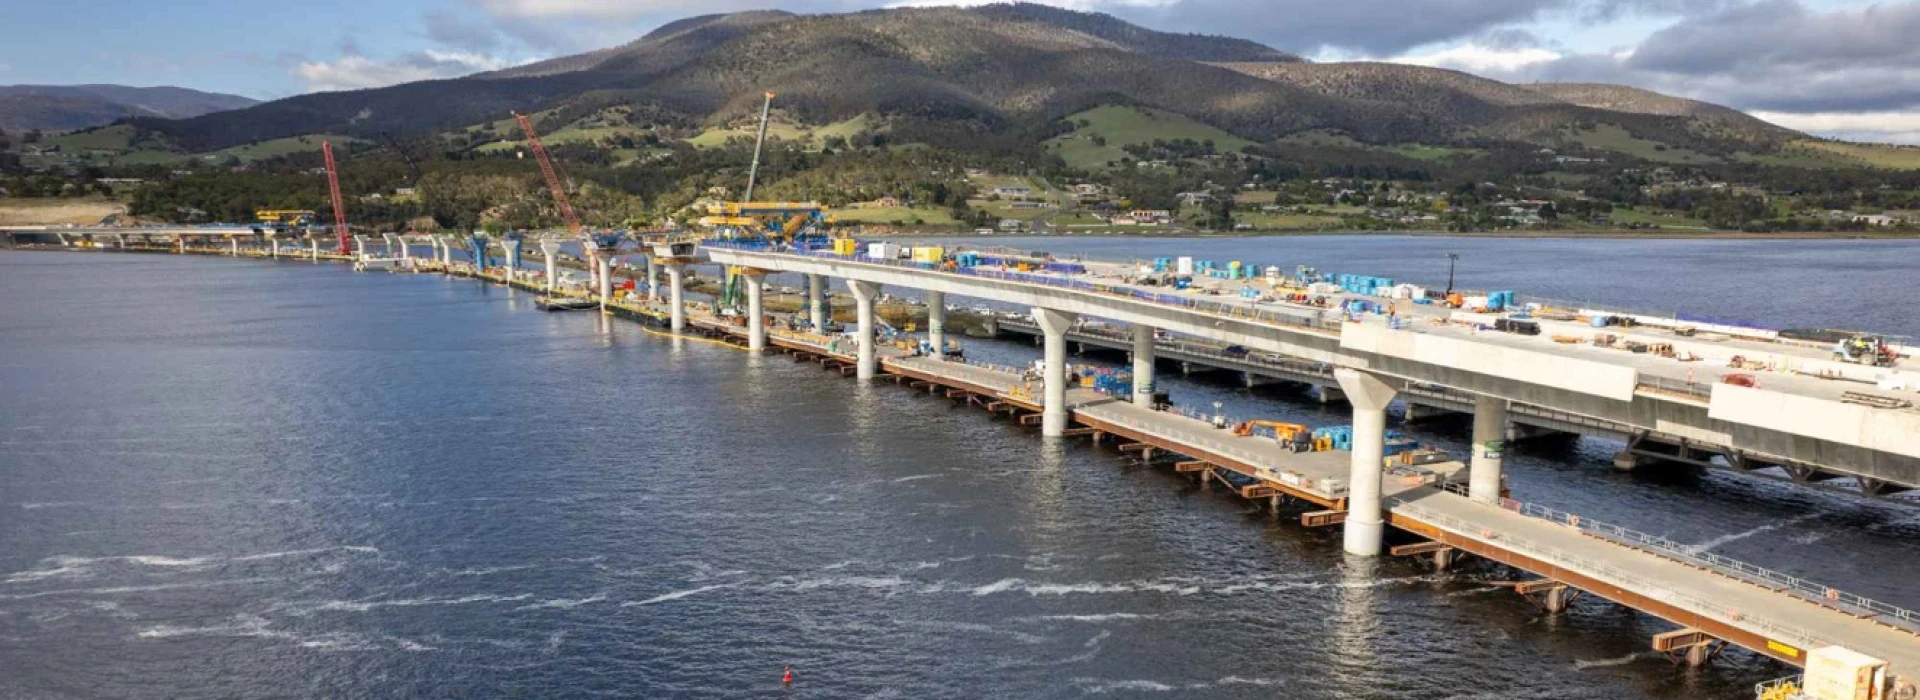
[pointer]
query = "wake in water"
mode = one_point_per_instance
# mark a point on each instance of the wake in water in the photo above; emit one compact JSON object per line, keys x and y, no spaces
{"x":1583,"y":664}
{"x":676,"y":595}
{"x":69,"y":566}
{"x":1735,"y":537}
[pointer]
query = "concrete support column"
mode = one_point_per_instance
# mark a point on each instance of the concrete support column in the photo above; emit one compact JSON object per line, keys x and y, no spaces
{"x":313,"y":249}
{"x":653,"y":279}
{"x":1369,"y":395}
{"x":677,"y":295}
{"x":1489,"y":442}
{"x":396,"y":248}
{"x":817,"y":302}
{"x":605,"y":271}
{"x":234,"y":245}
{"x":1143,"y":365}
{"x":359,"y":246}
{"x":756,"y":313}
{"x":478,"y":244}
{"x":937,"y":323}
{"x":512,"y":245}
{"x":1053,"y":412}
{"x":863,"y":296}
{"x":551,"y":249}
{"x":446,"y":252}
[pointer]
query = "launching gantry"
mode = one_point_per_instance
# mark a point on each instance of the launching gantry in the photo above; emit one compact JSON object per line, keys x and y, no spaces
{"x":773,"y":222}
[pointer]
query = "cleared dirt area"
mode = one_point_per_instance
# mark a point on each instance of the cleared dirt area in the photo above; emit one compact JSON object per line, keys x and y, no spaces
{"x":26,"y":212}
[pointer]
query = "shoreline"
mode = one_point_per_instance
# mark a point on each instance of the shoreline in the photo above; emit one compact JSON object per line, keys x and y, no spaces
{"x":1571,"y":233}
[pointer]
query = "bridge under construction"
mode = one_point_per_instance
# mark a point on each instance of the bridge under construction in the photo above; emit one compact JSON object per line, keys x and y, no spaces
{"x":1385,"y":502}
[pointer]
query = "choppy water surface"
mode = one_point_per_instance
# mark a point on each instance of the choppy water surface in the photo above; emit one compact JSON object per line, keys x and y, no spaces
{"x":230,"y":478}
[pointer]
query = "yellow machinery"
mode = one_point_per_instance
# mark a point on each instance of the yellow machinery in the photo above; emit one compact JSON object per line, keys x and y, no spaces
{"x":782,"y":222}
{"x":282,"y":220}
{"x":1293,"y":436}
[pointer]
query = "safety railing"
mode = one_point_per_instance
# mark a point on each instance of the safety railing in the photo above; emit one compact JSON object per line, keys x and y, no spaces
{"x":1204,"y":350}
{"x":1779,"y":689}
{"x":1248,"y":311}
{"x":1700,"y":390}
{"x":1615,"y":575}
{"x":1695,"y":554}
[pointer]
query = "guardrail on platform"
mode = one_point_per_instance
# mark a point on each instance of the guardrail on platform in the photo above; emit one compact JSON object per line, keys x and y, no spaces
{"x":1810,"y":590}
{"x":1248,"y":311}
{"x":1773,"y":629}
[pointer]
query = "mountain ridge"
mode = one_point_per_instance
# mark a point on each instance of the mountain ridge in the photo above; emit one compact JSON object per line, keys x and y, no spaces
{"x":992,"y":69}
{"x":71,"y":107}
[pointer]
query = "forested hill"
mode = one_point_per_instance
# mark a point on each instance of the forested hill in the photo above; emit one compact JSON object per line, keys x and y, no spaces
{"x":996,"y":69}
{"x":69,"y":107}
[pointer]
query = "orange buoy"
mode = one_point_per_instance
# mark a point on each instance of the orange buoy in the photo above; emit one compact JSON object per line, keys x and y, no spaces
{"x":787,"y":676}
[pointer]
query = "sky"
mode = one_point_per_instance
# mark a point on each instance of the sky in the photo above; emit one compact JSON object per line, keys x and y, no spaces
{"x":1845,"y":69}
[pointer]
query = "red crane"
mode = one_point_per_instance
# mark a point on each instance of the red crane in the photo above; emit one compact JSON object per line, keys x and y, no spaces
{"x":333,"y":188}
{"x":546,"y":168}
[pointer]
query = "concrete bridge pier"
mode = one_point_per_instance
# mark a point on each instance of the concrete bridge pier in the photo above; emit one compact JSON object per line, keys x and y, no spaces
{"x":1327,"y":393}
{"x":446,"y":252}
{"x":756,"y":310}
{"x":817,"y":302}
{"x":233,"y":247}
{"x":676,"y":295}
{"x":359,"y":246}
{"x":1053,"y":411}
{"x":863,"y":296}
{"x":313,"y":249}
{"x":512,"y":244}
{"x":1489,"y":445}
{"x":604,"y":270}
{"x":551,"y":249}
{"x":396,"y":248}
{"x":478,"y":244}
{"x":1370,"y":396}
{"x":120,"y":241}
{"x":937,"y":323}
{"x":1143,"y":365}
{"x":653,"y":279}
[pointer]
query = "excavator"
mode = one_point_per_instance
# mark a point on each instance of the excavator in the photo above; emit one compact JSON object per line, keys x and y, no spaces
{"x":1292,"y":436}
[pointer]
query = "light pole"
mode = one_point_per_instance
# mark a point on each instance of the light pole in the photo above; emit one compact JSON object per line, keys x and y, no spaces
{"x":1451,"y":258}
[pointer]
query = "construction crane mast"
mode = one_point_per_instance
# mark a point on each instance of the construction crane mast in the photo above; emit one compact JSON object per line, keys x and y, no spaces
{"x":753,"y":171}
{"x":339,"y":206}
{"x":546,"y":168}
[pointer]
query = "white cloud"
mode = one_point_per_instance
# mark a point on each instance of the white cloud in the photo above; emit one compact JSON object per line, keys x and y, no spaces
{"x":355,"y":72}
{"x":1475,"y":58}
{"x":1889,"y":127}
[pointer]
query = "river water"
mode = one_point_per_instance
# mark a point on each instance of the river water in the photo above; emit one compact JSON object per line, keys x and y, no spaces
{"x":226,"y":478}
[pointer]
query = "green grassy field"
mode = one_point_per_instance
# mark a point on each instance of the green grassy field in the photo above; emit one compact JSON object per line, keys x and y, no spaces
{"x":1664,"y":219}
{"x":1125,"y":126}
{"x":1005,"y":210}
{"x":571,"y":134}
{"x":280,"y":147}
{"x":1607,"y":137}
{"x":1285,"y":221}
{"x":887,"y":215}
{"x":1835,"y":154}
{"x":1434,"y":153}
{"x":116,"y":138}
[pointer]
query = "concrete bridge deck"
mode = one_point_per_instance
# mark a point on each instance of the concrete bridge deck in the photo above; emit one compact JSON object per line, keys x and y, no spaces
{"x":1637,"y":571}
{"x":1787,"y":420}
